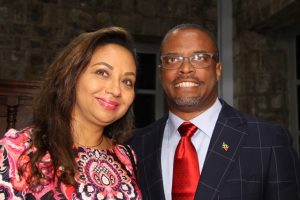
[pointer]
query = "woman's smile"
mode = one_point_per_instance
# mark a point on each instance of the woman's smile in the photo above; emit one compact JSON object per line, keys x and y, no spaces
{"x":108,"y":104}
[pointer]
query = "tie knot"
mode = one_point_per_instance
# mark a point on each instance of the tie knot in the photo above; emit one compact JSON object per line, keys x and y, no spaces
{"x":187,"y":129}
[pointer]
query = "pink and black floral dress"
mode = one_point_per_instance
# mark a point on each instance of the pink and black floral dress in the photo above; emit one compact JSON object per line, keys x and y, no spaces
{"x":103,"y":174}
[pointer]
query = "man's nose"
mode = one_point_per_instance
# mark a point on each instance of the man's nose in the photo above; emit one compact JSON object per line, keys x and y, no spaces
{"x":186,"y":66}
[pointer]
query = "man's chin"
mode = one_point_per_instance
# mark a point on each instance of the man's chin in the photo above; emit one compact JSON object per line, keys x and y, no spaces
{"x":187,"y":101}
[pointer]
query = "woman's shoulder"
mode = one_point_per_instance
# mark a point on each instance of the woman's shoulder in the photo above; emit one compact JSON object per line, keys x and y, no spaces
{"x":126,"y":149}
{"x":17,"y":140}
{"x":126,"y":154}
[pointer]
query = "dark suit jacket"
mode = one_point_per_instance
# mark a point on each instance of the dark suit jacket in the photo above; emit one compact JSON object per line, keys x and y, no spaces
{"x":260,"y":162}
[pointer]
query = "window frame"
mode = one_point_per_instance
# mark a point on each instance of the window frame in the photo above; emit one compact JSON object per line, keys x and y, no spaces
{"x":293,"y":84}
{"x":142,"y":47}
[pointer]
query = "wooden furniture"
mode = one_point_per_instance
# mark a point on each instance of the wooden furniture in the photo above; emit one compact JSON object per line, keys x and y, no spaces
{"x":15,"y":94}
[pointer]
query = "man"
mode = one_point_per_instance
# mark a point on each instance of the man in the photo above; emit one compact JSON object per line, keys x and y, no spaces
{"x":230,"y":156}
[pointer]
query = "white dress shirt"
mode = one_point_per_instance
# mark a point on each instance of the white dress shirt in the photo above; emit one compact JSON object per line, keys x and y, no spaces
{"x":205,"y":122}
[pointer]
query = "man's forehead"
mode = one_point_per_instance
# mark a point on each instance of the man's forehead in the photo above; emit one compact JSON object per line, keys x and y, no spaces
{"x":191,"y":34}
{"x":186,"y":33}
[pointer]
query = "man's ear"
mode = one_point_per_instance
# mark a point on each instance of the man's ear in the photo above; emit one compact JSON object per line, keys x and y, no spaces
{"x":219,"y":68}
{"x":159,"y":74}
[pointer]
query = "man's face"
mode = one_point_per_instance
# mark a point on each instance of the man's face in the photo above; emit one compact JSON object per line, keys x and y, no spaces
{"x":189,"y":89}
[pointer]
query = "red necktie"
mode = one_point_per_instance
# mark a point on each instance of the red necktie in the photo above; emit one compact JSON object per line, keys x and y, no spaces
{"x":186,"y":172}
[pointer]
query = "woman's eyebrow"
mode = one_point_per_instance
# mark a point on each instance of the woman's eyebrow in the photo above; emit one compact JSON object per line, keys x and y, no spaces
{"x":130,"y":73}
{"x":103,"y":63}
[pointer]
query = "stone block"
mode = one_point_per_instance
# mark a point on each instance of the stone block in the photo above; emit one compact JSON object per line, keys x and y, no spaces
{"x":253,"y":41}
{"x":5,"y":29}
{"x":104,"y":18}
{"x":34,"y":72}
{"x":249,"y":83}
{"x":54,"y":15}
{"x":262,"y":103}
{"x":35,"y":13}
{"x":4,"y":13}
{"x":279,"y":83}
{"x":146,"y":7}
{"x":48,"y":1}
{"x":129,"y":6}
{"x":40,"y":31}
{"x":148,"y":27}
{"x":5,"y":41}
{"x":181,"y":8}
{"x":36,"y":59}
{"x":274,"y":60}
{"x":247,"y":104}
{"x":32,"y":31}
{"x":210,"y":13}
{"x":164,"y":9}
{"x":20,"y":29}
{"x":70,"y":3}
{"x":109,"y":5}
{"x":250,"y":61}
{"x":80,"y":19}
{"x":35,"y":44}
{"x":4,"y":56}
{"x":277,"y":101}
{"x":263,"y":82}
{"x":19,"y":12}
{"x":17,"y":56}
{"x":211,"y":25}
{"x":13,"y":71}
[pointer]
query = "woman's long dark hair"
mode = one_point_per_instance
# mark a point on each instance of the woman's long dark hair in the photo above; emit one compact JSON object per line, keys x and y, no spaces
{"x":52,"y":130}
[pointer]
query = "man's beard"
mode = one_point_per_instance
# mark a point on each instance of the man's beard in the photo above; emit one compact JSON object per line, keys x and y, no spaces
{"x":187,"y":101}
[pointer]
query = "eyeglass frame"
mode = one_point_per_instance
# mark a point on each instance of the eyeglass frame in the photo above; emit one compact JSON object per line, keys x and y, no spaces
{"x":212,"y":56}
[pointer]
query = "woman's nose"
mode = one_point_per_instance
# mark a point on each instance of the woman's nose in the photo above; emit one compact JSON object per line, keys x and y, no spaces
{"x":114,"y":89}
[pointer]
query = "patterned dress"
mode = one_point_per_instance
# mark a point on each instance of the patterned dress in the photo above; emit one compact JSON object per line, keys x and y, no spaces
{"x":103,"y":174}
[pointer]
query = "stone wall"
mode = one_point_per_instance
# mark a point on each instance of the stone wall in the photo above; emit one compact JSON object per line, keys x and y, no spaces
{"x":32,"y":31}
{"x":261,"y":58}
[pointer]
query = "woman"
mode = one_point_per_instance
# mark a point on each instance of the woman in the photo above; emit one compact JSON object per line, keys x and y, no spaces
{"x":74,"y":148}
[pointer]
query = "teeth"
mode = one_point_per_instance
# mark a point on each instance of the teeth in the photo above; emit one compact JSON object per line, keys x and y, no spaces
{"x":186,"y":84}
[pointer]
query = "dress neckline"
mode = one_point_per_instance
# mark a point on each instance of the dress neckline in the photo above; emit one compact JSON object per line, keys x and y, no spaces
{"x":91,"y":148}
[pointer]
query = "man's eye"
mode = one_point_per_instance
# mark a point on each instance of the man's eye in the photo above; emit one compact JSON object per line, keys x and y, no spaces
{"x":172,"y":60}
{"x":200,"y":57}
{"x":102,"y":72}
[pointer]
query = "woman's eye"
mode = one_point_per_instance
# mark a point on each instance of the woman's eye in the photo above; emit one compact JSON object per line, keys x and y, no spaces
{"x":128,"y":82}
{"x":103,"y":73}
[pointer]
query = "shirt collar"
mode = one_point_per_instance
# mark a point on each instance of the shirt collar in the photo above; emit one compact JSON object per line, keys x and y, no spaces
{"x":206,"y":121}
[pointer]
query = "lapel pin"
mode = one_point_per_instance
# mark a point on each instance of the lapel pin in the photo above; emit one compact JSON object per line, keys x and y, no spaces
{"x":225,"y":146}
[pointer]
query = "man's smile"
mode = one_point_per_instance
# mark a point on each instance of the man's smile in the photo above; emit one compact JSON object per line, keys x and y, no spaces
{"x":186,"y":84}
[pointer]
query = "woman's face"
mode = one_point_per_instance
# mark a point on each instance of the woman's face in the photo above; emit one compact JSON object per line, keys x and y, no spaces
{"x":105,"y":89}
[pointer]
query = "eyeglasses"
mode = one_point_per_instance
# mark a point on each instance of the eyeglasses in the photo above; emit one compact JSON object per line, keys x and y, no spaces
{"x":197,"y":60}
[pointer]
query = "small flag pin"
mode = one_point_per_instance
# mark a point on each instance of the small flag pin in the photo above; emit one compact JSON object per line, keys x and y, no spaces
{"x":225,"y":146}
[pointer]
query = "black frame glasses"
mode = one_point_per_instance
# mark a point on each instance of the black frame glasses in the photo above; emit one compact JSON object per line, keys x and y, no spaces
{"x":197,"y":60}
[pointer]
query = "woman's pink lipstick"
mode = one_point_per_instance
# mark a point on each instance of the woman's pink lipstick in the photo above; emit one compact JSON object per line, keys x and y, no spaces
{"x":108,"y":104}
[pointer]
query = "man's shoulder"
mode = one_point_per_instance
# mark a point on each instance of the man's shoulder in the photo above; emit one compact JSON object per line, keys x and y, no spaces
{"x":229,"y":112}
{"x":253,"y":126}
{"x":260,"y":123}
{"x":150,"y":134}
{"x":150,"y":128}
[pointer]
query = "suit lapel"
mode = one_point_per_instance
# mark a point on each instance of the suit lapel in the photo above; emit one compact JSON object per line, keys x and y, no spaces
{"x":228,"y":135}
{"x":152,"y":164}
